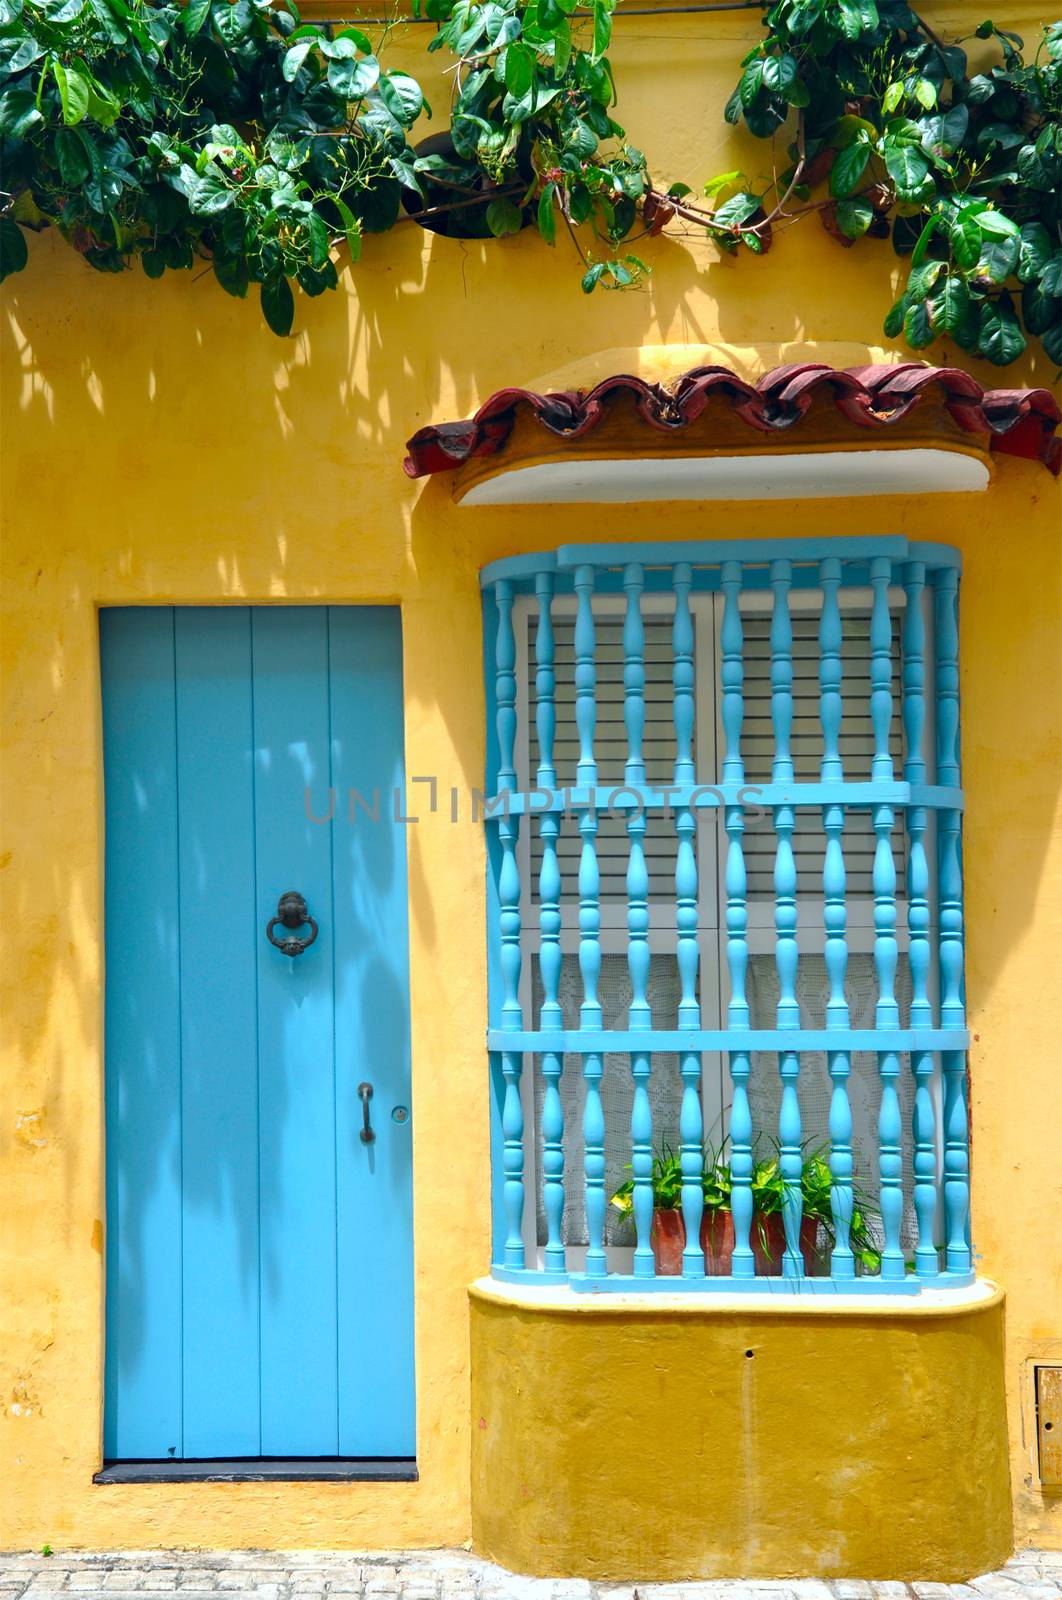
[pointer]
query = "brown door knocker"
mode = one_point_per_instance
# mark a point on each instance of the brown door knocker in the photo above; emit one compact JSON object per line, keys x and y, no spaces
{"x":292,"y":913}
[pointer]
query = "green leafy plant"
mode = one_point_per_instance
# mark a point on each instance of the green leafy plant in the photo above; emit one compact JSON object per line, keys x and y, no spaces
{"x":961,"y":167}
{"x":768,"y":1195}
{"x":530,"y":112}
{"x":215,"y":132}
{"x":234,"y":135}
{"x":666,"y":1180}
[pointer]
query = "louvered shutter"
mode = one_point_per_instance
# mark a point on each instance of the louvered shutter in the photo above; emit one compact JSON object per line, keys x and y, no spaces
{"x":856,"y":745}
{"x":610,"y":751}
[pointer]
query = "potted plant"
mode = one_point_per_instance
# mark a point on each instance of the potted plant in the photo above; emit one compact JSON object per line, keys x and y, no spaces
{"x":816,"y":1184}
{"x":667,"y":1234}
{"x":668,"y":1231}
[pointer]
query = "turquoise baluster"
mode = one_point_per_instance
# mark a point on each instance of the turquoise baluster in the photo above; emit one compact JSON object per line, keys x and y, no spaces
{"x":549,"y":921}
{"x":691,"y":1120}
{"x":835,"y":917}
{"x":949,"y":888}
{"x":743,"y":1264}
{"x":509,"y":926}
{"x":883,"y":877}
{"x":638,"y":918}
{"x":785,"y":917}
{"x":924,"y":1117}
{"x":590,"y":924}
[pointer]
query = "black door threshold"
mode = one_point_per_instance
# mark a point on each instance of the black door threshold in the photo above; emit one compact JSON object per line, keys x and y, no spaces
{"x":264,"y":1469}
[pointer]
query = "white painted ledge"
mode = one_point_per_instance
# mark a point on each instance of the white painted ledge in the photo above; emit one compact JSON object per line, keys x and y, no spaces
{"x":797,"y":475}
{"x":560,"y":1298}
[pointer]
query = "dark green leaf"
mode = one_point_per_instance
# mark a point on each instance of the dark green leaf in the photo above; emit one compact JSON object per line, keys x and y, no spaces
{"x":951,"y":310}
{"x":848,"y":168}
{"x":233,"y":22}
{"x":519,"y":69}
{"x":504,"y":217}
{"x":24,"y":52}
{"x":70,"y":153}
{"x":210,"y":194}
{"x":351,"y":227}
{"x":278,"y":304}
{"x":965,"y":237}
{"x":351,"y":78}
{"x":738,"y":209}
{"x":319,"y":239}
{"x":919,"y":251}
{"x":602,"y":27}
{"x":547,"y":218}
{"x":999,"y":334}
{"x":1036,"y":251}
{"x":923,"y":278}
{"x":1051,"y":278}
{"x":580,"y":203}
{"x":751,"y":79}
{"x":998,"y":259}
{"x":894,"y":320}
{"x":1039,"y":311}
{"x":73,"y":92}
{"x":997,"y":224}
{"x":944,"y":134}
{"x":854,"y":217}
{"x":403,"y":97}
{"x":315,"y":280}
{"x":780,"y":73}
{"x":294,"y":59}
{"x":13,"y":251}
{"x":194,"y":15}
{"x":18,"y":112}
{"x":854,"y":17}
{"x":231,"y":272}
{"x":908,"y":168}
{"x":1052,"y":339}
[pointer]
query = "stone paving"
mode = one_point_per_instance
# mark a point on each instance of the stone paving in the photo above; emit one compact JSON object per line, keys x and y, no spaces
{"x":445,"y":1575}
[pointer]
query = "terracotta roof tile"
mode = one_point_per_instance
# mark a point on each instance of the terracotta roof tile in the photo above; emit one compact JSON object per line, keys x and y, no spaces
{"x":1020,"y":422}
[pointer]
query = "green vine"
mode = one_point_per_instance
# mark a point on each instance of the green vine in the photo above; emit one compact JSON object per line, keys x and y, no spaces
{"x":963,"y":171}
{"x":228,"y":133}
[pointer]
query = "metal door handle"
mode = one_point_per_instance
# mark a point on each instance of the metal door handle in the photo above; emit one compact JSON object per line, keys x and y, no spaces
{"x":292,"y":913}
{"x":365,"y":1095}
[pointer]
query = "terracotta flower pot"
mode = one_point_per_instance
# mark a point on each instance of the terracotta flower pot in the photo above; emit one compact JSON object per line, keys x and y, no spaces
{"x":717,"y":1242}
{"x":768,"y":1243}
{"x":668,"y":1239}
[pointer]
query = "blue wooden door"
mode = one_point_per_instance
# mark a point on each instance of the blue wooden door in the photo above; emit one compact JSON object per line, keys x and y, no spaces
{"x":259,"y":1252}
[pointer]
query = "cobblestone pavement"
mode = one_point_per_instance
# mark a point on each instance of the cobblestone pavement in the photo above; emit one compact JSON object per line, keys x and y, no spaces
{"x":446,"y":1575}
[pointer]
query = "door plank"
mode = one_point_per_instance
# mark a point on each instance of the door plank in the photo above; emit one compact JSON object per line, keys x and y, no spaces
{"x":374,"y":1181}
{"x":295,"y":1031}
{"x":219,"y":1035}
{"x":142,"y":1036}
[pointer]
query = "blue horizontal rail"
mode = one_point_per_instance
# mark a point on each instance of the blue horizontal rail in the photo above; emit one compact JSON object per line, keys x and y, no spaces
{"x":750,"y":797}
{"x":713,"y":553}
{"x":909,"y":1286}
{"x":667,"y":1041}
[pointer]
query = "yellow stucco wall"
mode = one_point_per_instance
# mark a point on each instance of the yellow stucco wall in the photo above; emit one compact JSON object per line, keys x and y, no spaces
{"x":632,"y":1441}
{"x":161,"y":446}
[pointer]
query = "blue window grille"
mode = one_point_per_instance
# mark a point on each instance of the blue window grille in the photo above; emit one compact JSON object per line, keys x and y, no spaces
{"x":724,"y":838}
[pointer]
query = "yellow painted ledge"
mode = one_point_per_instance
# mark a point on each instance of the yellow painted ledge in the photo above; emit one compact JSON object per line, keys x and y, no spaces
{"x":678,"y":1436}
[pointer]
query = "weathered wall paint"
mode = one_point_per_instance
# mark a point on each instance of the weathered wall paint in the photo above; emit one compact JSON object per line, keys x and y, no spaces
{"x":635,"y":1442}
{"x":162,"y":447}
